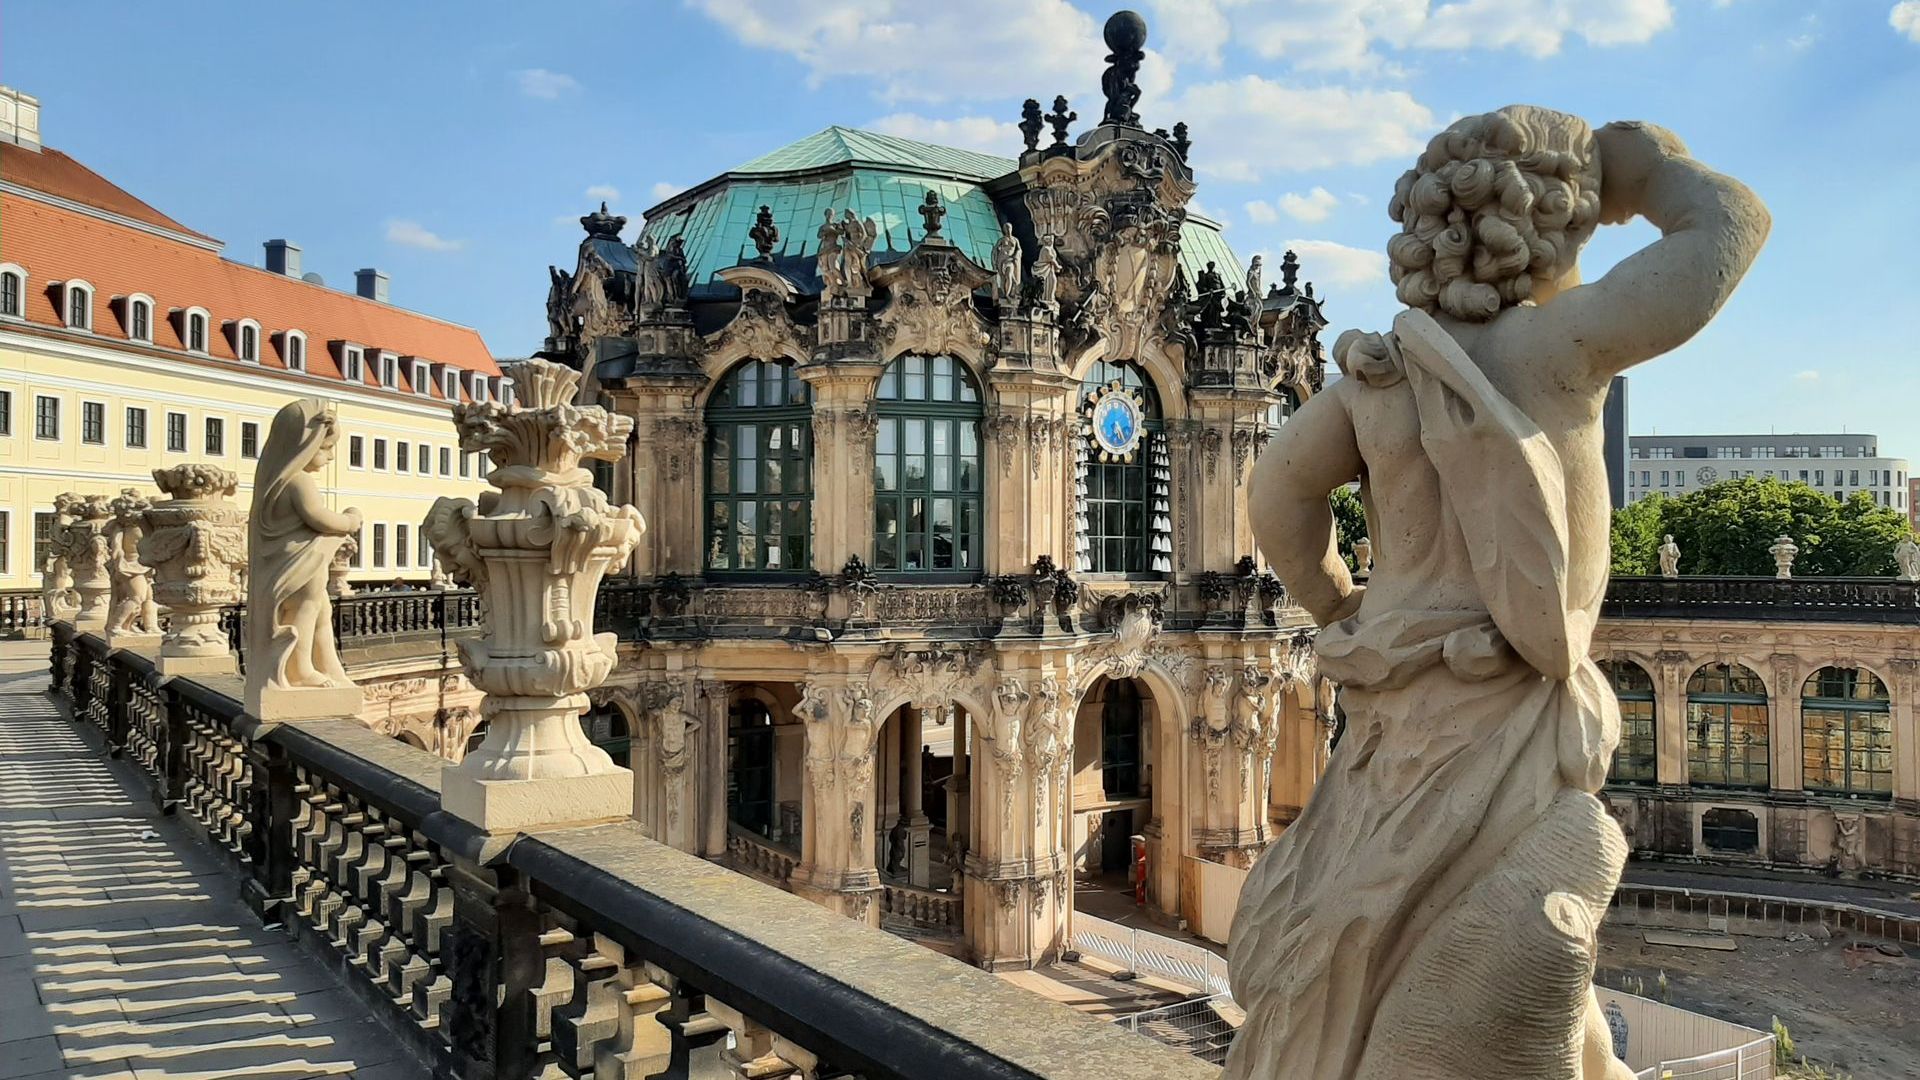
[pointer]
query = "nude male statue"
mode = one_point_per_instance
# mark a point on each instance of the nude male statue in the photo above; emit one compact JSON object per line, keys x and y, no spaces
{"x":1432,"y":913}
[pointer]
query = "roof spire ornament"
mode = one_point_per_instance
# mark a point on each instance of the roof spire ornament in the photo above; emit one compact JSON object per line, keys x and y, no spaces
{"x":1181,"y":144}
{"x":931,"y":212}
{"x":1030,"y":122}
{"x":764,"y":234}
{"x":1126,"y":32}
{"x":601,"y":225}
{"x":1289,"y":270}
{"x":1060,"y":118}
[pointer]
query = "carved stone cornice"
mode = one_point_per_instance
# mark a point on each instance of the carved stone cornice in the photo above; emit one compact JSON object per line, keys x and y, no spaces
{"x":763,"y":330}
{"x":931,"y":309}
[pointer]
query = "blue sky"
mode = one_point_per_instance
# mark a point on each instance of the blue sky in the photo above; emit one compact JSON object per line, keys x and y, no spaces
{"x":453,"y":145}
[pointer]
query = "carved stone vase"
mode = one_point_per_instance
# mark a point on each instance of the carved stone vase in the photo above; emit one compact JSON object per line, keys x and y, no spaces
{"x":536,"y":550}
{"x":86,"y":547}
{"x":196,"y":543}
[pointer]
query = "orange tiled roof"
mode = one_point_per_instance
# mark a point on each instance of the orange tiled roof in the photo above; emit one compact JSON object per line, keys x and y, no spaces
{"x":56,"y":244}
{"x":55,"y":173}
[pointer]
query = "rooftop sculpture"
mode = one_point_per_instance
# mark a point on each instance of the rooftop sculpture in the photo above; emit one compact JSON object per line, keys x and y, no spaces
{"x":1433,"y":911}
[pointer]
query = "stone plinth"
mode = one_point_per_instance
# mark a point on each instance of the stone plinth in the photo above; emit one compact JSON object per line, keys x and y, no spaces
{"x":85,"y":544}
{"x":196,"y":543}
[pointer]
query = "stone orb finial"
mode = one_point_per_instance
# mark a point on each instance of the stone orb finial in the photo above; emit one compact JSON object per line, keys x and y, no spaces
{"x":1126,"y":31}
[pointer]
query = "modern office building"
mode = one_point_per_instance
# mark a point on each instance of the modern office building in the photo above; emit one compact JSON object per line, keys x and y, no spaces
{"x":129,"y":342}
{"x":1836,"y":464}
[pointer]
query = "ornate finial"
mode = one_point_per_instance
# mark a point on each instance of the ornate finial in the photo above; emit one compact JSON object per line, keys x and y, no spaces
{"x":1060,"y":118}
{"x":1030,"y":122}
{"x":931,"y":212}
{"x":764,"y":234}
{"x":1289,"y":270}
{"x":1126,"y":32}
{"x":601,"y":225}
{"x":1181,"y":144}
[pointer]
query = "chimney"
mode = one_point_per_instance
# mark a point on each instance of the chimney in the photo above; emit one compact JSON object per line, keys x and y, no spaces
{"x":19,"y":119}
{"x":283,"y":257}
{"x":371,"y":284}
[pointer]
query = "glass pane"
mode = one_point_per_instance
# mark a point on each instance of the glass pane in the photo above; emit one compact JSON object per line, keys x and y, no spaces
{"x":749,"y":388}
{"x":889,"y":383}
{"x":773,"y":477}
{"x":886,"y":474}
{"x":943,"y":455}
{"x":719,"y":521}
{"x":943,"y":378}
{"x":798,"y":521}
{"x":746,"y":478}
{"x":969,"y":474}
{"x":943,"y":534}
{"x":914,"y":555}
{"x":885,"y":438}
{"x":915,"y":388}
{"x":886,"y":534}
{"x":916,"y":436}
{"x":747,"y":535}
{"x":964,"y":542}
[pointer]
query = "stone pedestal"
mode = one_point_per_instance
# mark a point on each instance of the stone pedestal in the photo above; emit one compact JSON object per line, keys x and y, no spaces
{"x":537,"y":550}
{"x":196,"y":543}
{"x":132,"y":639}
{"x":85,"y":545}
{"x":302,"y":702}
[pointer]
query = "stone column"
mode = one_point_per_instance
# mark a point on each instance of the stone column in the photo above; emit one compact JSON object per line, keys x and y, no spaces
{"x":1670,"y":716}
{"x":844,"y":426}
{"x":713,"y":831}
{"x":1028,"y":439}
{"x":664,"y":476}
{"x":537,"y":551}
{"x":912,"y":780}
{"x":1012,"y":841}
{"x":133,"y":619}
{"x":1223,"y":423}
{"x":196,"y":543}
{"x":1784,"y":751}
{"x":1906,"y":729}
{"x":836,"y":867}
{"x":87,"y":554}
{"x":959,"y":783}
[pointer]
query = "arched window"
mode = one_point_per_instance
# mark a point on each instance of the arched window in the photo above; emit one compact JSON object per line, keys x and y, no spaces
{"x":293,"y":350}
{"x":926,"y":468}
{"x":140,"y":318}
{"x":1633,"y":759}
{"x":13,"y":291}
{"x":1846,"y":733}
{"x":759,"y":499}
{"x":249,"y":342}
{"x":194,"y":332}
{"x":606,"y":727}
{"x":1727,"y":727}
{"x":1123,"y":481}
{"x":79,"y":306}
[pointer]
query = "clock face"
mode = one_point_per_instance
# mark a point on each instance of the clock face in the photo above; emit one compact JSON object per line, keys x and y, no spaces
{"x":1707,"y":474}
{"x":1116,"y":424}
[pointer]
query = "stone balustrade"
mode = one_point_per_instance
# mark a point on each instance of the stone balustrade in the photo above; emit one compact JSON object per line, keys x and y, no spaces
{"x":922,"y":909}
{"x":591,"y":949}
{"x":1804,"y":599}
{"x":755,"y":855}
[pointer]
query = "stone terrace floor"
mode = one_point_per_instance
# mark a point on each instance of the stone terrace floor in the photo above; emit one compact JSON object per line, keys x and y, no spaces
{"x":124,"y":949}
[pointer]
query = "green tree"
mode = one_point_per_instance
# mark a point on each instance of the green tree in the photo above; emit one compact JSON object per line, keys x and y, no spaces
{"x":1349,"y":521}
{"x":1726,"y":528}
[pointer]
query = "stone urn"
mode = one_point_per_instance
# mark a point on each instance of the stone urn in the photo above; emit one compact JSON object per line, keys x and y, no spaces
{"x":536,"y":550}
{"x":196,"y":544}
{"x":88,"y":553}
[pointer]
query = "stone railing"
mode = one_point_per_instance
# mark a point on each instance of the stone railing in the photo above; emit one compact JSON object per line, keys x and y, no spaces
{"x":753,"y":854}
{"x":1808,"y":599}
{"x":368,"y":618}
{"x":591,"y":950}
{"x":20,"y":610}
{"x":922,"y":909}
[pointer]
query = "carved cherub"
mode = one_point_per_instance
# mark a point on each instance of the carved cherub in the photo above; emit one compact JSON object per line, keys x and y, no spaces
{"x":292,"y":539}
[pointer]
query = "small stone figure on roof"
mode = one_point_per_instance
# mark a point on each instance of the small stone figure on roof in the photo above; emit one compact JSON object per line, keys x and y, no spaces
{"x":1060,"y":118}
{"x":764,"y":234}
{"x":1669,"y":558}
{"x":1125,"y":33}
{"x":931,"y":212}
{"x":1906,"y":554}
{"x":1239,"y":315}
{"x":1181,"y":144}
{"x":832,"y":275}
{"x":1783,"y":551}
{"x":1046,"y":277}
{"x":1006,"y":267}
{"x":591,"y":312}
{"x":559,"y":303}
{"x":1256,"y":288}
{"x":1030,"y":123}
{"x":1176,"y":318}
{"x":671,"y":264}
{"x":856,"y":243}
{"x":649,"y":288}
{"x":1211,"y":295}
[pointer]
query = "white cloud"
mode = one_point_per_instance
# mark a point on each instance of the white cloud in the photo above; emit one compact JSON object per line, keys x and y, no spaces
{"x":1905,"y":17}
{"x":1314,"y":206}
{"x":1261,"y":212}
{"x":1190,"y":29}
{"x":981,"y":133}
{"x":663,"y":189}
{"x":604,"y":192}
{"x":415,"y":235}
{"x":1807,"y":376}
{"x":545,"y":85}
{"x":1324,"y":260}
{"x":1275,"y":127}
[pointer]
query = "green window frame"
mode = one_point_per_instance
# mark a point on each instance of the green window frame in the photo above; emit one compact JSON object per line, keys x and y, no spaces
{"x":759,"y":471}
{"x":1122,"y":716}
{"x":1846,"y":734}
{"x":1123,"y":523}
{"x":927,"y":483}
{"x":605,"y":726}
{"x":1635,"y":758}
{"x":1727,"y":728}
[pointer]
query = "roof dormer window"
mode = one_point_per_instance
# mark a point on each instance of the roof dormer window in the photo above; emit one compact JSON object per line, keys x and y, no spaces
{"x":246,"y":340}
{"x":76,"y":305}
{"x":478,"y":388}
{"x":506,"y":391}
{"x":193,"y":325}
{"x":13,"y":291}
{"x":353,"y":363}
{"x":450,"y":384}
{"x":136,"y":315}
{"x":293,"y":350}
{"x":421,"y":379}
{"x":389,"y":371}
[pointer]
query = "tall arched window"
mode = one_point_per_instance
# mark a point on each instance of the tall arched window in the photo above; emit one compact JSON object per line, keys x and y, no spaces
{"x":926,"y":468}
{"x":1634,"y":758}
{"x":1727,"y":727}
{"x":759,"y":498}
{"x":1123,"y":482}
{"x":1846,"y":733}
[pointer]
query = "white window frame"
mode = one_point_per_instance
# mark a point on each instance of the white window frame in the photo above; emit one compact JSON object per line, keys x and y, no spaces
{"x":238,"y":335}
{"x":126,"y":315}
{"x":353,"y":362}
{"x":206,"y":333}
{"x":387,"y":369}
{"x":146,"y":427}
{"x":505,"y":388}
{"x":287,"y":340}
{"x":186,"y":432}
{"x":450,"y":383}
{"x":59,"y":420}
{"x":84,"y":441}
{"x":20,"y":272}
{"x":422,"y":378}
{"x":377,"y":459}
{"x":361,"y":441}
{"x":67,"y":288}
{"x":477,"y":388}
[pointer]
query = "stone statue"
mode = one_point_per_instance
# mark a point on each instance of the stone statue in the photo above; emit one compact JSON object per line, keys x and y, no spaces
{"x":57,"y":598}
{"x":671,"y":265}
{"x":831,"y":275}
{"x":649,"y":288}
{"x":132,"y":613}
{"x":1906,"y":554}
{"x":1255,"y":286}
{"x":1783,"y":551}
{"x":293,"y":671}
{"x":536,"y":549}
{"x":1046,"y":277}
{"x":590,"y":310}
{"x":89,"y":555}
{"x":1006,"y":267}
{"x":1362,"y":557}
{"x":559,"y":303}
{"x":856,"y":243}
{"x":1669,"y":558}
{"x":1432,"y":912}
{"x":337,"y":583}
{"x":196,"y":543}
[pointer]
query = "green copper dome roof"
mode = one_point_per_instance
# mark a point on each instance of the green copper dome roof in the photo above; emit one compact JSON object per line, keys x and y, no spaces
{"x":883,"y":177}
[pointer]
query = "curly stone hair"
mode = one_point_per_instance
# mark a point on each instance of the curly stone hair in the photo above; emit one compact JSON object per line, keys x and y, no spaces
{"x":1497,"y":203}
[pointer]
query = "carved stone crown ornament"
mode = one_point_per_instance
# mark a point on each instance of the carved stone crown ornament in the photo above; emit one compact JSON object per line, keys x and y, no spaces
{"x":196,"y":543}
{"x":537,"y":550}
